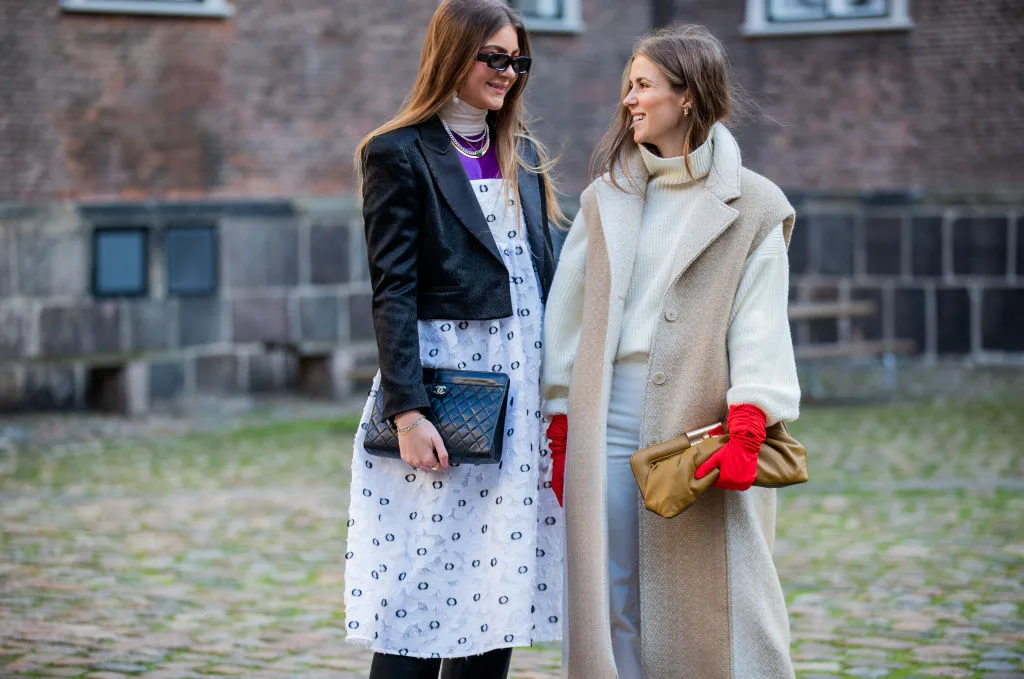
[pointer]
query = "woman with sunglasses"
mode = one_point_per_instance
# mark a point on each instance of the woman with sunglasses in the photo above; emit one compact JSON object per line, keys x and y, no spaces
{"x":680,"y":255}
{"x":451,"y":566}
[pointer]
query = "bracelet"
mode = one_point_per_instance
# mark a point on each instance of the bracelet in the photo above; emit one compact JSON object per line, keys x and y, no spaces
{"x":402,"y":430}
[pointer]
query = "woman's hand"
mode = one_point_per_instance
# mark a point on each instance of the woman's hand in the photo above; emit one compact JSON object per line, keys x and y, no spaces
{"x":419,"y":443}
{"x":736,"y":461}
{"x":557,"y":433}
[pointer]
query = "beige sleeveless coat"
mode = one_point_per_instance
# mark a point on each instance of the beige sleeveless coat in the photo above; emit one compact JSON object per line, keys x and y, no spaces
{"x":711,"y":605}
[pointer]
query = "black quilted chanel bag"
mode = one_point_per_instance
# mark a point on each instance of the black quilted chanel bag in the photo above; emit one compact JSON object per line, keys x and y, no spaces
{"x":467,"y":408}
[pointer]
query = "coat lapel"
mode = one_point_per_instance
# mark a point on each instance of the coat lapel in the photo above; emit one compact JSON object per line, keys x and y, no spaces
{"x":712,"y":213}
{"x":621,"y":214}
{"x":451,"y":180}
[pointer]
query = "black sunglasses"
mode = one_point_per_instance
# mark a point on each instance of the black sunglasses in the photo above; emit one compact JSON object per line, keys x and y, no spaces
{"x":499,"y":61}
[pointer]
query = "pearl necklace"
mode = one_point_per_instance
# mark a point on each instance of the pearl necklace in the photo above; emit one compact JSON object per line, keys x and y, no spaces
{"x":469,"y":153}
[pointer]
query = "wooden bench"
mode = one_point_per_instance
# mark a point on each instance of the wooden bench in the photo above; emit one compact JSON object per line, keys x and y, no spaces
{"x":855,"y":347}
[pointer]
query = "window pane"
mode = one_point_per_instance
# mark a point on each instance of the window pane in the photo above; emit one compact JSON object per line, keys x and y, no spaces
{"x":858,"y":8}
{"x":120,"y":262}
{"x":191,"y":260}
{"x":541,"y":9}
{"x":796,"y":10}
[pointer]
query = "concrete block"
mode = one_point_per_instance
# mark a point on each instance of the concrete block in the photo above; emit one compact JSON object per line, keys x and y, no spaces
{"x":259,"y":252}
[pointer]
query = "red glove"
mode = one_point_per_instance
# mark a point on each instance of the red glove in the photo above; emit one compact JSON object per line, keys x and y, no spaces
{"x":558,"y":430}
{"x":736,"y":461}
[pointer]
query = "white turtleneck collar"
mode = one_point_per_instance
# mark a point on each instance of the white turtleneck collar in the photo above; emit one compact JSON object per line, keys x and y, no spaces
{"x":463,"y":119}
{"x":673,"y":170}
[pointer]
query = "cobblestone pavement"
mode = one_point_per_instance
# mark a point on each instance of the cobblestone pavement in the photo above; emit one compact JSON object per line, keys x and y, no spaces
{"x":177,"y":553}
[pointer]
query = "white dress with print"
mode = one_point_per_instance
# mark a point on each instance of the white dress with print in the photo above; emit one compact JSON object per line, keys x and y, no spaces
{"x":457,"y":563}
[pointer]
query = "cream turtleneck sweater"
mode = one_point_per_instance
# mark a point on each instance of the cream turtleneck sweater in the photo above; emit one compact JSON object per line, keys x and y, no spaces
{"x":464,"y":119}
{"x":760,"y":374}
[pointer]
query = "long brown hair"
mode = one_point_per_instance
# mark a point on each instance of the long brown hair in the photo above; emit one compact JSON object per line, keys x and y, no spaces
{"x":455,"y":34}
{"x":691,"y":58}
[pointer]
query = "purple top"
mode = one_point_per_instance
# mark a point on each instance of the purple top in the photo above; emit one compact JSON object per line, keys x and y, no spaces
{"x":484,"y":167}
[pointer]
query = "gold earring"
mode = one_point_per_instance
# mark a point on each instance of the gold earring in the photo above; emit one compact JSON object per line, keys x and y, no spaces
{"x":686,"y":111}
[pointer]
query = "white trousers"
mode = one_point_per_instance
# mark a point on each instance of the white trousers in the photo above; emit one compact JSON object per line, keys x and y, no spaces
{"x":628,"y":380}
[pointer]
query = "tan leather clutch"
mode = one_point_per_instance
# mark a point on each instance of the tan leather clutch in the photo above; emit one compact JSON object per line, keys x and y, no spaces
{"x":665,"y":471}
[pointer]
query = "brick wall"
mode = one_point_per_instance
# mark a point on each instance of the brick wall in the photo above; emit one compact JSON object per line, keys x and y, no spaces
{"x":268,"y":103}
{"x":937,"y":107}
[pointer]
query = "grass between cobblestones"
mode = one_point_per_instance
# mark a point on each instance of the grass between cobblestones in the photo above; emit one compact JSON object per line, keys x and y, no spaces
{"x":220,"y":554}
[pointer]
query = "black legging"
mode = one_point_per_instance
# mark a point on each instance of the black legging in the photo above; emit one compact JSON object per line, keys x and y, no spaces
{"x":491,"y":665}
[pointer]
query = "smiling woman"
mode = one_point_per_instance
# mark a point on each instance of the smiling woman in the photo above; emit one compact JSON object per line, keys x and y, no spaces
{"x":450,"y":565}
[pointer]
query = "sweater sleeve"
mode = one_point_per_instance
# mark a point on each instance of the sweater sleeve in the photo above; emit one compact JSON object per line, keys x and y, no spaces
{"x":762,"y":369}
{"x":562,"y":318}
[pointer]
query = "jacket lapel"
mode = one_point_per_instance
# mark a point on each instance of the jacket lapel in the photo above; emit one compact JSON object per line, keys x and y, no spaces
{"x":450,"y":177}
{"x":529,"y":199}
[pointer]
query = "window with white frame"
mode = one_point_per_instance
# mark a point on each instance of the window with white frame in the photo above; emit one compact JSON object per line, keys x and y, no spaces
{"x":561,"y":16}
{"x":789,"y":17}
{"x":197,"y":8}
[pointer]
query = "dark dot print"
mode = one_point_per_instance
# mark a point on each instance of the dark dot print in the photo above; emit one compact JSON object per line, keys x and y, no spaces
{"x":456,"y":536}
{"x":524,"y":312}
{"x":452,"y":601}
{"x":538,"y":345}
{"x":402,"y":576}
{"x":540,"y":553}
{"x":477,"y":357}
{"x":511,"y":234}
{"x":384,"y":501}
{"x":462,"y":503}
{"x":375,"y":575}
{"x":494,"y":561}
{"x":357,"y":592}
{"x":349,"y":555}
{"x":483,"y":628}
{"x":542,"y":587}
{"x":462,"y":365}
{"x":437,"y":485}
{"x":422,"y":586}
{"x":510,"y":334}
{"x":449,"y":566}
{"x":476,"y":597}
{"x":400,"y":613}
{"x":496,"y":368}
{"x":528,"y":501}
{"x":523,"y":569}
{"x":350,"y":523}
{"x":519,"y":249}
{"x":508,"y":251}
{"x":437,"y":518}
{"x":383,"y":603}
{"x":483,"y":529}
{"x":422,"y":551}
{"x":376,"y":542}
{"x":403,"y":651}
{"x":524,"y":467}
{"x":413,"y":515}
{"x":491,"y":219}
{"x":366,"y":492}
{"x":434,"y":353}
{"x":369,"y":465}
{"x":515,"y":365}
{"x":509,"y":638}
{"x":550,"y":521}
{"x":483,"y":188}
{"x":446,"y":327}
{"x":389,"y":537}
{"x":353,"y":625}
{"x":462,"y":640}
{"x":484,"y":493}
{"x":503,"y":600}
{"x":463,"y":325}
{"x":553,"y":619}
{"x":434,"y":624}
{"x":498,"y":500}
{"x":493,"y":330}
{"x":410,"y":478}
{"x":516,"y":535}
{"x":476,"y":563}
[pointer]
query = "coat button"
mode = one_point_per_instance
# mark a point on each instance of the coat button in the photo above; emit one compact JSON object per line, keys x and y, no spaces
{"x":671,"y":315}
{"x":659,"y":378}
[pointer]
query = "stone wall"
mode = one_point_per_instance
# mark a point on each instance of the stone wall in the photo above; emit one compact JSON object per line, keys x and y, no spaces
{"x":947,"y":273}
{"x":291,"y":309}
